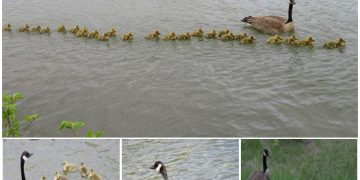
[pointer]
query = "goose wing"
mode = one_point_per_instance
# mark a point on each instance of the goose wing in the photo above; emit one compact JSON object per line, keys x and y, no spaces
{"x":278,"y":18}
{"x":266,"y":24}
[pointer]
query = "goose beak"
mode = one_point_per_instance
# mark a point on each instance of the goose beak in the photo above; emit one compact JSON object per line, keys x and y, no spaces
{"x":30,"y":154}
{"x":152,"y":167}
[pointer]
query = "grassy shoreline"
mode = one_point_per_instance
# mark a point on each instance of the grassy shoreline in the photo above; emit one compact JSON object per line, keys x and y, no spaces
{"x":301,"y":159}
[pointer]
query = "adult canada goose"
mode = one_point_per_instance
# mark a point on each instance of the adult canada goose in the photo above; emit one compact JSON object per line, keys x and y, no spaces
{"x":83,"y":170}
{"x":265,"y":173}
{"x":59,"y":176}
{"x":160,"y":168}
{"x":94,"y":176}
{"x":273,"y":24}
{"x":24,"y":156}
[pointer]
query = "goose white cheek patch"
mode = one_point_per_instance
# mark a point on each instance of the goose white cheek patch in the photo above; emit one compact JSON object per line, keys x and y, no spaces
{"x":25,"y":158}
{"x":158,"y":168}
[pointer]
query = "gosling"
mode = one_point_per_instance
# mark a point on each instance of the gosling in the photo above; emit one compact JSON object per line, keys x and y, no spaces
{"x":290,"y":40}
{"x":59,"y":176}
{"x":69,"y":168}
{"x":170,"y":37}
{"x":75,"y":29}
{"x":335,"y":44}
{"x":93,"y":34}
{"x":94,"y":176}
{"x":240,"y":36}
{"x":211,"y":35}
{"x":36,"y":29}
{"x":247,"y":40}
{"x":128,"y":36}
{"x":153,"y":35}
{"x":305,"y":42}
{"x":25,"y":28}
{"x":111,"y":32}
{"x":274,"y":40}
{"x":83,"y":170}
{"x":198,"y":33}
{"x":185,"y":36}
{"x":228,"y":37}
{"x":226,"y":31}
{"x":45,"y":30}
{"x":103,"y":37}
{"x":61,"y":29}
{"x":7,"y":27}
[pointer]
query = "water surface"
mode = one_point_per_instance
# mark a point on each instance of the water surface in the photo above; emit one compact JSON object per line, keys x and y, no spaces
{"x":184,"y":159}
{"x":196,"y":88}
{"x":48,"y":155}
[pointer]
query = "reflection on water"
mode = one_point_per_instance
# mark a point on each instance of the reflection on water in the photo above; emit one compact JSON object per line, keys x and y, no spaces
{"x":100,"y":155}
{"x":184,"y":159}
{"x":195,"y":88}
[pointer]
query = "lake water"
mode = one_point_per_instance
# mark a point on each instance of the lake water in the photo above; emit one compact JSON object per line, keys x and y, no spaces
{"x":48,"y":155}
{"x":195,"y":88}
{"x":184,"y":159}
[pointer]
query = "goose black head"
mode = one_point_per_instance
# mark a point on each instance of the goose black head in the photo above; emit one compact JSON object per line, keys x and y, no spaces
{"x":266,"y":153}
{"x":25,"y":155}
{"x":158,"y":166}
{"x":292,"y":2}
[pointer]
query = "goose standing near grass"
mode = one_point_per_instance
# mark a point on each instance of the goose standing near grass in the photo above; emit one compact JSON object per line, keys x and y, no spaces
{"x":265,"y":173}
{"x":160,"y":168}
{"x":24,"y":156}
{"x":273,"y":24}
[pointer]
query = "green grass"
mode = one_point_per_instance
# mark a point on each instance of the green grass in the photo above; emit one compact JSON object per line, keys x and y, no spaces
{"x":301,"y":159}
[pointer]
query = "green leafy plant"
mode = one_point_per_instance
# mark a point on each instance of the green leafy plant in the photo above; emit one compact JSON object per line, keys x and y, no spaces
{"x":11,"y":125}
{"x":75,"y":125}
{"x":92,"y":134}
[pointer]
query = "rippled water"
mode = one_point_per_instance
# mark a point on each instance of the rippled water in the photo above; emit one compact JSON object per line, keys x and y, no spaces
{"x":195,"y":88}
{"x":48,"y":155}
{"x":184,"y":159}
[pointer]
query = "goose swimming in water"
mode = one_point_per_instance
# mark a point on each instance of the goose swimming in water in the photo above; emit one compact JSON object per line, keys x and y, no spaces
{"x":24,"y":156}
{"x":265,"y":173}
{"x":160,"y":168}
{"x":273,"y":24}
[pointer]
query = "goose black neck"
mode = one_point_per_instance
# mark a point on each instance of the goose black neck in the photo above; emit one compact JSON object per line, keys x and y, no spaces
{"x":290,"y":13}
{"x":164,"y":174}
{"x":264,"y":163}
{"x":22,"y":163}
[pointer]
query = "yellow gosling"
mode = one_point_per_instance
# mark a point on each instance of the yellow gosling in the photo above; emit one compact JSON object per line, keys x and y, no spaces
{"x":290,"y":40}
{"x":61,"y":28}
{"x":7,"y":27}
{"x":25,"y":28}
{"x":153,"y":35}
{"x":36,"y":29}
{"x":211,"y":35}
{"x":274,"y":40}
{"x":240,"y":36}
{"x":226,"y":31}
{"x":128,"y":36}
{"x":247,"y":40}
{"x":305,"y":42}
{"x":335,"y":44}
